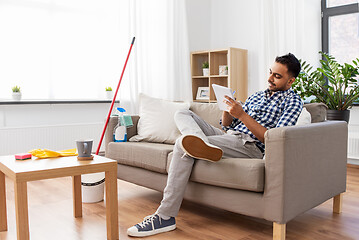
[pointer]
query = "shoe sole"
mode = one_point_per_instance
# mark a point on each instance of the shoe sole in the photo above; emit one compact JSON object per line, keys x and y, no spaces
{"x":200,"y":150}
{"x":153,"y":232}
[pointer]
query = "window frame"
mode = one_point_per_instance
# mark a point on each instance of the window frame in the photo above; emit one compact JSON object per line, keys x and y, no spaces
{"x":328,"y":12}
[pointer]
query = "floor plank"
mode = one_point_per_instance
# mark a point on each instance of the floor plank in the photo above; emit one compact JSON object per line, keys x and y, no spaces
{"x":50,"y":216}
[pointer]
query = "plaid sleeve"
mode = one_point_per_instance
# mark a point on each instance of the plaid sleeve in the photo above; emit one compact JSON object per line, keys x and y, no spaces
{"x":291,"y":112}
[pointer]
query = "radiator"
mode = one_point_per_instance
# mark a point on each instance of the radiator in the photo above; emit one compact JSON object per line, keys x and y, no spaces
{"x":353,"y":148}
{"x":353,"y":142}
{"x":59,"y":137}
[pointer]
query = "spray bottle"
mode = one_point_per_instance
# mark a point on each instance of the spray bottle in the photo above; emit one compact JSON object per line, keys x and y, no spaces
{"x":120,"y":131}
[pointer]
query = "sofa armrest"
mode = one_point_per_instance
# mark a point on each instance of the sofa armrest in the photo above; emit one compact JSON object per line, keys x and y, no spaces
{"x":305,"y":166}
{"x":112,"y":124}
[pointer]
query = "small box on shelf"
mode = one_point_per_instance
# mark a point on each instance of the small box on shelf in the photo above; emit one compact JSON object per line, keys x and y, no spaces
{"x":223,"y":70}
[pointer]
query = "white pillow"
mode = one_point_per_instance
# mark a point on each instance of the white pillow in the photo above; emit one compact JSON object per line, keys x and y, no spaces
{"x":304,"y":117}
{"x":156,"y":123}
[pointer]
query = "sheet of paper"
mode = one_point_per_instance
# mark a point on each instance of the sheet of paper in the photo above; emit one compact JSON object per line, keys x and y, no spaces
{"x":220,"y":92}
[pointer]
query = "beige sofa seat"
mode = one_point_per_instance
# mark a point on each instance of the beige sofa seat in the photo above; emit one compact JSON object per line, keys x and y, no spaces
{"x":150,"y":156}
{"x":236,"y":173}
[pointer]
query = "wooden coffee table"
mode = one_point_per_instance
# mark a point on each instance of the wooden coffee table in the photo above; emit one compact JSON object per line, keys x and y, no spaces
{"x":37,"y":169}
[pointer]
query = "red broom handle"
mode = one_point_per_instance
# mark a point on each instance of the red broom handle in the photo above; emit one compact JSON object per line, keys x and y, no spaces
{"x":114,"y":98}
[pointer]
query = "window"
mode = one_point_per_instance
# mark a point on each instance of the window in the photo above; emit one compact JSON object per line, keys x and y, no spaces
{"x":335,"y":3}
{"x":344,"y":37}
{"x":62,"y":49}
{"x":340,"y":29}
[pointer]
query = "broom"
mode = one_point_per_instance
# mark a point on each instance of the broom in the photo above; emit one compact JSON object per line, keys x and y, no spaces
{"x":114,"y":98}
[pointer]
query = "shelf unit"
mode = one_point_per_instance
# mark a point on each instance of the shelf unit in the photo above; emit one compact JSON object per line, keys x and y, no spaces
{"x":237,"y":78}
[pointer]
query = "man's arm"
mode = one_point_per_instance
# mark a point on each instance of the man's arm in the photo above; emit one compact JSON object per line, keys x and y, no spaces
{"x":235,"y":110}
{"x":227,"y":119}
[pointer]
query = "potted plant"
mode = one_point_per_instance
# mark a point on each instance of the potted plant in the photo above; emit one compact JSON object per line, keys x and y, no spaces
{"x":109,"y":93}
{"x":16,"y":93}
{"x":338,"y":93}
{"x":205,"y":68}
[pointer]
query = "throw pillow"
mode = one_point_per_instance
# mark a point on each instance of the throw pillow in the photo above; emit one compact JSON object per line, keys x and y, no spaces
{"x":304,"y":117}
{"x":156,"y":123}
{"x":318,"y":111}
{"x":208,"y":111}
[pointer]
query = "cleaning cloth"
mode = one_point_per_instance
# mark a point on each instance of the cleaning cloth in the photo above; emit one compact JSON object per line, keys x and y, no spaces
{"x":46,"y":153}
{"x":126,"y":120}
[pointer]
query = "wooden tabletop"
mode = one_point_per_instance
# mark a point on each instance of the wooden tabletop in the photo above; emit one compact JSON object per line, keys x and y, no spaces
{"x":37,"y":169}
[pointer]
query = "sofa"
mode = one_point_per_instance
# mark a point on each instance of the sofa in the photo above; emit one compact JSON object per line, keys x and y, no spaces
{"x":303,"y":166}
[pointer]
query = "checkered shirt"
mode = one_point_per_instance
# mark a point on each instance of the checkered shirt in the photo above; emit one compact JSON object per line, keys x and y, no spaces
{"x":281,"y":109}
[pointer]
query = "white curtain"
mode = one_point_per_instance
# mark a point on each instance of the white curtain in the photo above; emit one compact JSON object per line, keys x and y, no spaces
{"x":73,"y":49}
{"x":160,"y":62}
{"x":288,"y":26}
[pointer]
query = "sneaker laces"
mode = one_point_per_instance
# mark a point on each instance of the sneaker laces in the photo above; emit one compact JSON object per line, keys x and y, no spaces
{"x":149,"y":220}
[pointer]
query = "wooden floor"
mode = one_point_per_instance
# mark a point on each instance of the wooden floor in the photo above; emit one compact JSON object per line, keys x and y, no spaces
{"x":50,"y":216}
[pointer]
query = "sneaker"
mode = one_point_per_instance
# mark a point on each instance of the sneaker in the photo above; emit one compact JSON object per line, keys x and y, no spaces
{"x":197,"y":148}
{"x":152,"y":225}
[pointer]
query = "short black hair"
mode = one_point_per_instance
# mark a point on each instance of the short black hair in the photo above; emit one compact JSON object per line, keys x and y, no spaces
{"x":291,"y":62}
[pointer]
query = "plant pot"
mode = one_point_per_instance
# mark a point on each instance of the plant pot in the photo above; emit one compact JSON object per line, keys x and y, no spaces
{"x":16,"y":96}
{"x":205,"y":71}
{"x":342,"y":115}
{"x":109,"y":94}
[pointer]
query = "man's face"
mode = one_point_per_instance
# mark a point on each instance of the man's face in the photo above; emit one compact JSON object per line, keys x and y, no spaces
{"x":279,"y":78}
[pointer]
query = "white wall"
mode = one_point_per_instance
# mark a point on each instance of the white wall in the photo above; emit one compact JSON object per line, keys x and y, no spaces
{"x":199,"y":24}
{"x":236,"y":23}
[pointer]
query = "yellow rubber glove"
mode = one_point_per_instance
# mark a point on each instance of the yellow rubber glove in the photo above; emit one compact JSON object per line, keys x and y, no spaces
{"x":46,"y":153}
{"x":68,"y":152}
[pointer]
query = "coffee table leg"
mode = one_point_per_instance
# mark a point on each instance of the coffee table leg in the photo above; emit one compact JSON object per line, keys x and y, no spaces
{"x":21,"y":208}
{"x":3,"y":217}
{"x":111,"y":205}
{"x":77,"y":195}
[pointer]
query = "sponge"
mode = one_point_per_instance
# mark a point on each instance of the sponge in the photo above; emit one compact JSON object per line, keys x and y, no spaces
{"x":23,"y":156}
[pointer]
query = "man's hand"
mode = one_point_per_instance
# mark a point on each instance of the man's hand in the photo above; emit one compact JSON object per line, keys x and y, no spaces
{"x":234,"y":108}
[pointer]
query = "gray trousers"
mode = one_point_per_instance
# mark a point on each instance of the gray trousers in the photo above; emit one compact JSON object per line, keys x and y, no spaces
{"x":234,"y":145}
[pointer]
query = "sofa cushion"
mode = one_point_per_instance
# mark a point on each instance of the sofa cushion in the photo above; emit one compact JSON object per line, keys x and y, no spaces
{"x":208,"y":112}
{"x":156,"y":123}
{"x":237,"y":173}
{"x":151,"y":156}
{"x":304,"y":118}
{"x":318,"y":111}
